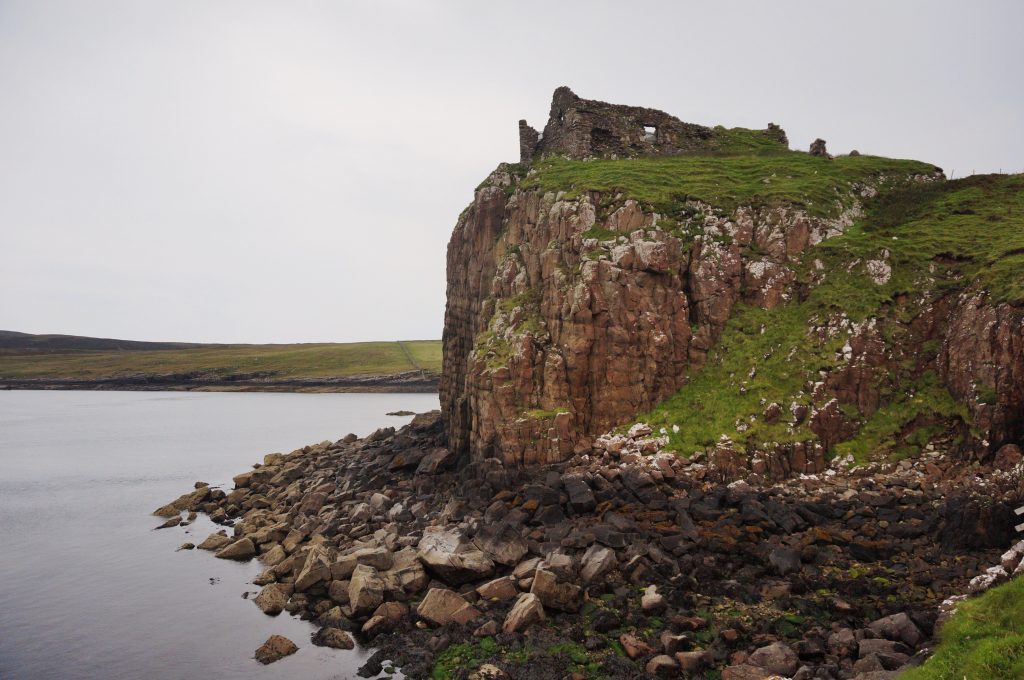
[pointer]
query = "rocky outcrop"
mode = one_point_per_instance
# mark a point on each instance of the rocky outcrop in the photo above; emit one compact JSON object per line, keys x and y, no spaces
{"x":982,"y":362}
{"x":567,"y":316}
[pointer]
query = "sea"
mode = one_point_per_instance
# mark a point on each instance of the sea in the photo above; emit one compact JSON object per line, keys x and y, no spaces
{"x":90,"y":590}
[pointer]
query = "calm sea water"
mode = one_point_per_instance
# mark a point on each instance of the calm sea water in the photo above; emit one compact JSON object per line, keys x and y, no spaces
{"x":88,"y":590}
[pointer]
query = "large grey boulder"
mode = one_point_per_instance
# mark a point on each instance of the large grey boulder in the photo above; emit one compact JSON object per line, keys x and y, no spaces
{"x":449,"y":558}
{"x":897,"y":627}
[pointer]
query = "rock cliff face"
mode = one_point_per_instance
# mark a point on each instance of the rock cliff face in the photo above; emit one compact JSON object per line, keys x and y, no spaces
{"x":567,"y":316}
{"x":982,"y":362}
{"x":574,"y":305}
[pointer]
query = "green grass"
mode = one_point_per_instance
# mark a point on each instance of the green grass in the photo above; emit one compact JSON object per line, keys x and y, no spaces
{"x":983,"y":641}
{"x":816,"y":184}
{"x":777,"y":344}
{"x":279,"y":361}
{"x":970,"y":230}
{"x":467,"y":655}
{"x":918,"y":407}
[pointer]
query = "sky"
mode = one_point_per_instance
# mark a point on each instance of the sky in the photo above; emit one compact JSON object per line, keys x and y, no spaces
{"x":248,"y":171}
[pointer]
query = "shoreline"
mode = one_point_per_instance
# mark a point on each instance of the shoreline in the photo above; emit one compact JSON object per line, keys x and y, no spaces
{"x":645,"y":563}
{"x":412,"y":382}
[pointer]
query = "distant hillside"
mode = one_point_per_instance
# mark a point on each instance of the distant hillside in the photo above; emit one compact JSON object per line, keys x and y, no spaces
{"x":15,"y":340}
{"x":75,"y":362}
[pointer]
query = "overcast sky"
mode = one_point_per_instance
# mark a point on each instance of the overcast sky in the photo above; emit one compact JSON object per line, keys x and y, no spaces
{"x":291,"y":171}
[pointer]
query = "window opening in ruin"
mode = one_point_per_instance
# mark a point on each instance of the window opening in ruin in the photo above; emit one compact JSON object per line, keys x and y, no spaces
{"x":650,"y":132}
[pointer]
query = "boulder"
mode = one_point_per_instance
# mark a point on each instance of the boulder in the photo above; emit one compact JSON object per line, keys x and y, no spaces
{"x":634,"y":646}
{"x":776,"y":658}
{"x":385,"y":618}
{"x":527,"y":610}
{"x":338,"y":591}
{"x":274,"y":556}
{"x":188,"y":501}
{"x":502,"y":543}
{"x":897,"y":627}
{"x":242,"y":549}
{"x":444,"y":555}
{"x":503,"y":588}
{"x":215,"y":541}
{"x":379,"y":558}
{"x":597,"y":561}
{"x":271,"y":600}
{"x":581,"y":497}
{"x":662,"y":666}
{"x":672,"y":643}
{"x":275,"y":648}
{"x":407,"y":572}
{"x":365,"y":590}
{"x":690,"y":662}
{"x":442,"y":607}
{"x":316,"y":568}
{"x":336,"y":638}
{"x":564,"y":596}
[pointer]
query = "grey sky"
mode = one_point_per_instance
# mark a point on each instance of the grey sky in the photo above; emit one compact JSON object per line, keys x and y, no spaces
{"x":283,"y":172}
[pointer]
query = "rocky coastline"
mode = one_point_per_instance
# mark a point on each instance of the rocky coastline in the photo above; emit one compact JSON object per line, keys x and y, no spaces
{"x":622,"y":561}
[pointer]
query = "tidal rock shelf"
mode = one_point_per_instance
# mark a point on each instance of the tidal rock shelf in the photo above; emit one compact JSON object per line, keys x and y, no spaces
{"x":623,"y":561}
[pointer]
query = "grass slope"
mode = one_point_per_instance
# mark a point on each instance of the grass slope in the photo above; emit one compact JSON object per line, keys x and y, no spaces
{"x":280,"y":361}
{"x":983,"y":641}
{"x":725,"y":181}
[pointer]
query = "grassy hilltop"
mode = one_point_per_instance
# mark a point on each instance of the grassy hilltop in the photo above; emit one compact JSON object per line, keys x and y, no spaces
{"x":34,"y":361}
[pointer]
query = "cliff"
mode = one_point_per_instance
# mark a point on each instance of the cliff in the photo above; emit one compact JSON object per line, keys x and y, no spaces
{"x":767,"y":307}
{"x":764,"y":312}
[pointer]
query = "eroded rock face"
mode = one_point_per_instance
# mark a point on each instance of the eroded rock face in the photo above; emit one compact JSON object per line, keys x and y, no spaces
{"x":567,"y":317}
{"x":982,"y":363}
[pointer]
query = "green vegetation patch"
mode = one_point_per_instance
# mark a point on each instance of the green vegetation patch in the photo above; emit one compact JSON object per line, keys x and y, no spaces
{"x":820,"y":186}
{"x":983,"y":641}
{"x":901,"y":427}
{"x":464,"y":655}
{"x":776,"y":344}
